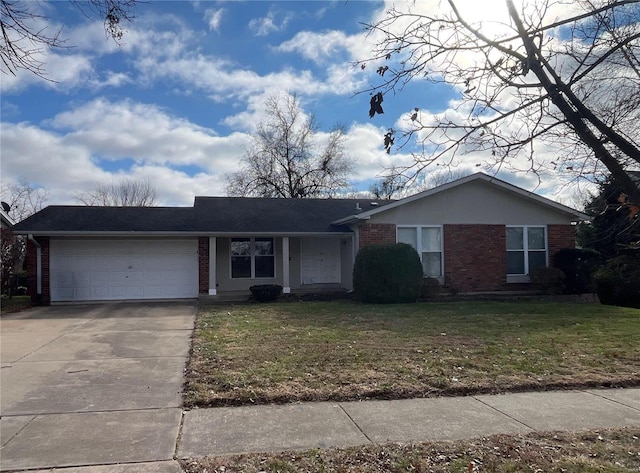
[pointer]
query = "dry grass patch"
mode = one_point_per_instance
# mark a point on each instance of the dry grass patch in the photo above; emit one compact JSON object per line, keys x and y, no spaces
{"x":282,"y":352}
{"x":605,"y":451}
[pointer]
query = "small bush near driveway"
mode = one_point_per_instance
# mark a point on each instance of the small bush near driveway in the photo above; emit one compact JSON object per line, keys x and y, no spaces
{"x":283,"y":352}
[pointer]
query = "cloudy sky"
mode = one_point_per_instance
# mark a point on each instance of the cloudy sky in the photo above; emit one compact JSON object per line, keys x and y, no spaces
{"x":175,"y":101}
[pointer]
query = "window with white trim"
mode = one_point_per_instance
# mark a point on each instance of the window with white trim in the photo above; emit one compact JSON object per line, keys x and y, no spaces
{"x":252,"y":258}
{"x":428,"y":243}
{"x":526,"y":249}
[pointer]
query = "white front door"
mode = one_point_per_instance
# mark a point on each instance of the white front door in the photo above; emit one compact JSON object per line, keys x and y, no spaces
{"x":85,"y":270}
{"x":320,"y":260}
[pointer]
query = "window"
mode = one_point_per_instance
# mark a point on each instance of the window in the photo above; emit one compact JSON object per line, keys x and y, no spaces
{"x":526,"y":249}
{"x":252,"y":258}
{"x":428,"y":243}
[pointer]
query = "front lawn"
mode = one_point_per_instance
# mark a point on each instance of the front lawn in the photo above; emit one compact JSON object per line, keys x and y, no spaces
{"x":341,"y":350}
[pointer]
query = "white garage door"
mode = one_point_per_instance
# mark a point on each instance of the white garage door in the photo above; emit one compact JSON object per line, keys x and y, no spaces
{"x":85,"y":270}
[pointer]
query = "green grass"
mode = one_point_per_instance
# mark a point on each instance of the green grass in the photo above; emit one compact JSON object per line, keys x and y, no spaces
{"x":282,"y":352}
{"x":604,"y":451}
{"x":14,"y":304}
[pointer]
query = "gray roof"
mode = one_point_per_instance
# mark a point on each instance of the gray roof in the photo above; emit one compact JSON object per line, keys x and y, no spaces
{"x":208,"y":215}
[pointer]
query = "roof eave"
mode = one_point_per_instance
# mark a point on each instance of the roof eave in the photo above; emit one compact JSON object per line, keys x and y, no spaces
{"x":177,"y":234}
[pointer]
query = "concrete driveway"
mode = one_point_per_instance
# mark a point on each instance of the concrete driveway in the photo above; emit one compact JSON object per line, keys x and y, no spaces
{"x":93,"y":384}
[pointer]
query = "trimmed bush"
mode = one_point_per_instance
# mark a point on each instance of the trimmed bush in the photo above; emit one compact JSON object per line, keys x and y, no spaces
{"x":548,"y":280}
{"x":618,"y":281}
{"x":578,"y":266}
{"x":430,"y":288}
{"x":265,"y":292}
{"x":385,"y":274}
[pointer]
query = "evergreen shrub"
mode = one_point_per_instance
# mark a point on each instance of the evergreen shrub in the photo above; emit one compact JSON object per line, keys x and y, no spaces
{"x":385,"y":274}
{"x":618,"y":281}
{"x":265,"y":292}
{"x":578,"y":266}
{"x":548,"y":280}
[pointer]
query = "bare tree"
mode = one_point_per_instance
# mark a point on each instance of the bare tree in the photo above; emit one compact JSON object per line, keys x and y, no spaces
{"x":394,"y":184}
{"x":556,"y":74}
{"x":285,"y":158}
{"x":24,"y":40}
{"x":125,"y":193}
{"x":23,"y":200}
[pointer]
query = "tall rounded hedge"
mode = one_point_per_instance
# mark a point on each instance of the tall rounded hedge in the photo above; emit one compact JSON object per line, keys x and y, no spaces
{"x":578,"y":265}
{"x":618,"y":281}
{"x":385,"y":274}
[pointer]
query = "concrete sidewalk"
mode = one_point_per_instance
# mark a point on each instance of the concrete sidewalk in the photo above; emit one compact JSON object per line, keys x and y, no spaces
{"x":230,"y":430}
{"x":268,"y":428}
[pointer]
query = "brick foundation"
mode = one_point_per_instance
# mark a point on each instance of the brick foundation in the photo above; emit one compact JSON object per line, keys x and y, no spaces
{"x":377,"y":234}
{"x":203,"y":265}
{"x":475,"y":258}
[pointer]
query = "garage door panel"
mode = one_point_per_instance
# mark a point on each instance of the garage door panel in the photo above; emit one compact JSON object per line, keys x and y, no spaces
{"x":123,"y":269}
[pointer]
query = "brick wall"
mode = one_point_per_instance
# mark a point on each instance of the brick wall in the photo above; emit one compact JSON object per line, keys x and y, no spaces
{"x":203,"y":265}
{"x":377,"y":234}
{"x":475,"y":257}
{"x":560,"y":236}
{"x":32,"y":271}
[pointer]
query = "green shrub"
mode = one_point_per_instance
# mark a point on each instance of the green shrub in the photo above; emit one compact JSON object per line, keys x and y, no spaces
{"x":548,"y":280}
{"x":265,"y":292}
{"x":430,"y":288}
{"x":578,"y":266}
{"x":618,"y":281}
{"x":385,"y":274}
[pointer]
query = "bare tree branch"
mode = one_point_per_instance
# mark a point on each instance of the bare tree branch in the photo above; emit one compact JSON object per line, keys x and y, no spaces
{"x":285,"y":158}
{"x":535,"y":80}
{"x":125,"y":193}
{"x":25,"y":41}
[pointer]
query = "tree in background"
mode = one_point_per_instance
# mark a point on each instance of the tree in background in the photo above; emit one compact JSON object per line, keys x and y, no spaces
{"x":23,"y":200}
{"x":610,"y":229}
{"x":555,"y":73}
{"x":126,"y":193}
{"x":286,"y":158}
{"x":394,"y":185}
{"x":25,"y":39}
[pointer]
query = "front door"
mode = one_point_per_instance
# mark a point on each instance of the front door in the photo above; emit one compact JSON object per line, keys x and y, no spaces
{"x":321,"y":261}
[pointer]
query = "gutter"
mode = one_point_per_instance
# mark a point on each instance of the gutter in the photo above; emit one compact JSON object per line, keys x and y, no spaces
{"x":38,"y":264}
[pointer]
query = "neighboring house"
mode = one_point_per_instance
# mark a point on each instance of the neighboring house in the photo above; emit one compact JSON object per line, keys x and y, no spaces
{"x":5,"y":220}
{"x":476,"y":234}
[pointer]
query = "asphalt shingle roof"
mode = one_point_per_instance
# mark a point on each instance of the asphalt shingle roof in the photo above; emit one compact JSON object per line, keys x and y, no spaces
{"x":208,"y":215}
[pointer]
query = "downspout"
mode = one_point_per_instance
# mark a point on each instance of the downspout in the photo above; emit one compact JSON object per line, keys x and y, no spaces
{"x":38,"y":264}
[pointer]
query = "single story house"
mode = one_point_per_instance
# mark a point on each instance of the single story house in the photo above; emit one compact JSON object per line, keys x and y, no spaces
{"x":475,"y":234}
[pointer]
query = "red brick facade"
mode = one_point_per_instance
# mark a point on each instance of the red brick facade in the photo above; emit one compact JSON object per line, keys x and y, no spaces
{"x":32,"y":271}
{"x":560,"y":236}
{"x":203,"y":265}
{"x":377,"y":234}
{"x":475,"y":257}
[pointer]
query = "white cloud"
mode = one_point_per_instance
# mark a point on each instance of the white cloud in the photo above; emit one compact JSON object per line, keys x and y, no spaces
{"x":146,"y":134}
{"x":214,"y":18}
{"x":71,"y":158}
{"x":323,"y":47}
{"x":61,"y":72}
{"x":269,"y":24}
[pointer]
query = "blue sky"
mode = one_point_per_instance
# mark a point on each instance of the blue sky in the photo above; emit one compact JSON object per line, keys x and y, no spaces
{"x":175,"y":102}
